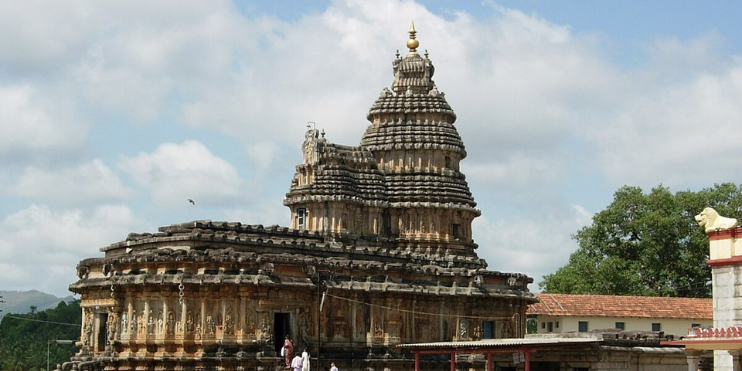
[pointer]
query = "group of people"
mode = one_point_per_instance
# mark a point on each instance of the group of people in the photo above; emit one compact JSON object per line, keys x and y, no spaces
{"x":299,"y":362}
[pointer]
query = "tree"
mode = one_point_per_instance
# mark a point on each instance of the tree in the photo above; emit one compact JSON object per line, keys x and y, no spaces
{"x":646,"y":244}
{"x":24,"y":337}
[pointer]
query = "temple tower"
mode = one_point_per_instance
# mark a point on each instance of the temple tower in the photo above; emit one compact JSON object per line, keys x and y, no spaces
{"x":403,"y":181}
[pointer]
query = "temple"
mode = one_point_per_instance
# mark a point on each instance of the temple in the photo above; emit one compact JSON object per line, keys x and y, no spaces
{"x":379,"y":252}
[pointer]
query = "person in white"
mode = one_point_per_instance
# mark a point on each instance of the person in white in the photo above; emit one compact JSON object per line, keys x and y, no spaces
{"x":304,"y":360}
{"x":296,"y":363}
{"x":333,"y":368}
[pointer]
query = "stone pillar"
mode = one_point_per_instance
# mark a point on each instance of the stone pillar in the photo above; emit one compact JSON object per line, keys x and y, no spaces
{"x":694,"y":358}
{"x":727,"y":280}
{"x":735,"y":359}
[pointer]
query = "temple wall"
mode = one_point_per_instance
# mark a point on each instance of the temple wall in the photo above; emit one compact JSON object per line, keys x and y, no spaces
{"x":168,"y":321}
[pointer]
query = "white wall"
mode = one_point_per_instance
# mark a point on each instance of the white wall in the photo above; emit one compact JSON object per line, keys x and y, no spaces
{"x":670,"y":326}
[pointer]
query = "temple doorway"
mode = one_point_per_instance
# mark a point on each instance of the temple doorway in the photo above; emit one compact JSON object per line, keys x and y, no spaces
{"x":281,"y":328}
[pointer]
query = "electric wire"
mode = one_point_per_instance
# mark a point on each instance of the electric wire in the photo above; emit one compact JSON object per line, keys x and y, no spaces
{"x":417,"y":312}
{"x":42,"y":321}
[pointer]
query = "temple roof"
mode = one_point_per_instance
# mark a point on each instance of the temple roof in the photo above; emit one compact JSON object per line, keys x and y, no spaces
{"x":414,"y":114}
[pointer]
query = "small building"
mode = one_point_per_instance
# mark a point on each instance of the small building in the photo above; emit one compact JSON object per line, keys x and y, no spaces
{"x":557,"y":313}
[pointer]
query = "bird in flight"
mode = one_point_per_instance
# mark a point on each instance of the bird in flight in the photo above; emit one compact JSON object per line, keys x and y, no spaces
{"x":191,"y":201}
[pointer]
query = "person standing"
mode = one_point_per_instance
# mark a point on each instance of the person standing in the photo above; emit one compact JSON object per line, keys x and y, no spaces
{"x":305,"y":360}
{"x":288,"y":351}
{"x":332,"y":367}
{"x":296,"y":363}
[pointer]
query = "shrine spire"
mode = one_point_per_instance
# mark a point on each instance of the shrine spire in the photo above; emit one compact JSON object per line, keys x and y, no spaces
{"x":412,"y":43}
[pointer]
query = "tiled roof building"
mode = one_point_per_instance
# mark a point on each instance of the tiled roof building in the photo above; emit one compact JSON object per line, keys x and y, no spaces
{"x":673,"y":316}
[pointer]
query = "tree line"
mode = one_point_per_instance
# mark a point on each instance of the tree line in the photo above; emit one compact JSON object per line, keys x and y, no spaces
{"x":26,"y":338}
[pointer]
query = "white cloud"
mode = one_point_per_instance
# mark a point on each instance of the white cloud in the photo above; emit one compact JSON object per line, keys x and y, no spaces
{"x":176,"y":172}
{"x":536,"y":246}
{"x":89,"y":183}
{"x":686,"y":133}
{"x":33,"y":126}
{"x":41,"y":246}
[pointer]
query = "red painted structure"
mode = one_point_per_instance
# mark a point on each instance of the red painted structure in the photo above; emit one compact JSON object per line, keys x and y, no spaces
{"x":527,"y":346}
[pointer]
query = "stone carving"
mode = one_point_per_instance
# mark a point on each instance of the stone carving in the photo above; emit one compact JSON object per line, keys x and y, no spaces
{"x":111,"y":326}
{"x":712,"y":221}
{"x":150,"y":323}
{"x":464,"y":329}
{"x":170,"y":326}
{"x":228,"y":323}
{"x":250,"y":320}
{"x":189,"y":322}
{"x":124,"y":324}
{"x":160,"y":323}
{"x":134,"y":323}
{"x":303,"y":321}
{"x":210,"y":326}
{"x":310,"y":146}
{"x":361,"y":321}
{"x":87,"y":328}
{"x":82,"y":271}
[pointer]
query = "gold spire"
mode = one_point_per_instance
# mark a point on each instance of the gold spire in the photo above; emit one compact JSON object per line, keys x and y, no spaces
{"x":412,"y":43}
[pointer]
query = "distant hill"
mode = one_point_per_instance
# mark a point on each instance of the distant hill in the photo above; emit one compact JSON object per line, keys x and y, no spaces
{"x":20,"y":302}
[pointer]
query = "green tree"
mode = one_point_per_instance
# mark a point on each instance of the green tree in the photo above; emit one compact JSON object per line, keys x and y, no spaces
{"x":24,"y":337}
{"x":645,"y":244}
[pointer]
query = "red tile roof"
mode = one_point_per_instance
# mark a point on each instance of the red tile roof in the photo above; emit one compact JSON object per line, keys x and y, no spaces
{"x":621,"y":306}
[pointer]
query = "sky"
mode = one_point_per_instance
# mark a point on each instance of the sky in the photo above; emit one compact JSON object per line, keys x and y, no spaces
{"x":113,"y":113}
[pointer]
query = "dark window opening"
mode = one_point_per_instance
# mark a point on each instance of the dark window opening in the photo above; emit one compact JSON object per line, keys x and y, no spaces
{"x":456,"y":230}
{"x":582,"y":326}
{"x":102,"y":331}
{"x":488,"y":330}
{"x":620,"y":325}
{"x":550,"y":327}
{"x":448,"y":162}
{"x":656,"y":327}
{"x":301,"y":216}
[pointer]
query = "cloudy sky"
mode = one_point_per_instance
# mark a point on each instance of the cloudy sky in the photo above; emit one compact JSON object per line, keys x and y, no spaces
{"x":113,"y":114}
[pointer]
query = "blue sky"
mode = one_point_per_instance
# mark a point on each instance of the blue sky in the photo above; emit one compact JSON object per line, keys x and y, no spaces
{"x":113,"y":114}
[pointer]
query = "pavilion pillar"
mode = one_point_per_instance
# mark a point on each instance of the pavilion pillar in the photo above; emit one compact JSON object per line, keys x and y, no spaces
{"x":528,"y":360}
{"x":489,"y":361}
{"x":735,"y":359}
{"x":694,"y":358}
{"x":417,"y":361}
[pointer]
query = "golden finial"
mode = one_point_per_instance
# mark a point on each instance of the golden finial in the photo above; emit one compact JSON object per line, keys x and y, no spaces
{"x":412,"y":43}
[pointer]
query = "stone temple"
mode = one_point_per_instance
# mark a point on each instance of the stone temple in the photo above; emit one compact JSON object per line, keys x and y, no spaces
{"x":379,"y":252}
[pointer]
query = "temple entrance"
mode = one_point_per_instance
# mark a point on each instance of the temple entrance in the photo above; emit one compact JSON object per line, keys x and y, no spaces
{"x":102,"y":331}
{"x":281,"y":328}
